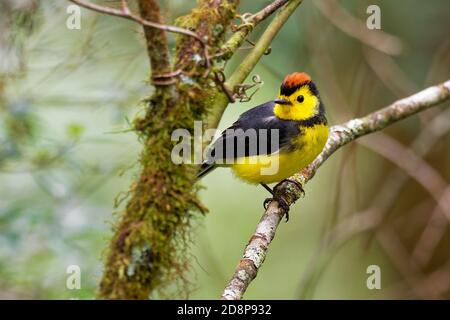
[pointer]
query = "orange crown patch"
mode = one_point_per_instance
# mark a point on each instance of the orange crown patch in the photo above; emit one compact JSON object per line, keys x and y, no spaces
{"x":296,"y":79}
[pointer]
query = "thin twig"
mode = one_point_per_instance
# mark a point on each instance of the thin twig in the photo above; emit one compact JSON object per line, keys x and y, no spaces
{"x":234,"y":43}
{"x":126,"y":13}
{"x":250,"y":61}
{"x":247,"y":26}
{"x":256,"y":250}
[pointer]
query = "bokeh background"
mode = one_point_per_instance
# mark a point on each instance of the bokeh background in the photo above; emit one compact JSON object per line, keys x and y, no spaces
{"x":67,"y":98}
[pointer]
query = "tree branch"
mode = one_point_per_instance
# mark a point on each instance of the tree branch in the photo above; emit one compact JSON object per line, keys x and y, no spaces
{"x":157,"y":48}
{"x":146,"y":253}
{"x":250,"y":61}
{"x":256,"y":250}
{"x":127,"y":14}
{"x":238,"y":37}
{"x":146,"y":8}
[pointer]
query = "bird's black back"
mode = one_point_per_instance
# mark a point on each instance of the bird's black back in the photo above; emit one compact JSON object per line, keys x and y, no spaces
{"x":270,"y":134}
{"x":257,"y":132}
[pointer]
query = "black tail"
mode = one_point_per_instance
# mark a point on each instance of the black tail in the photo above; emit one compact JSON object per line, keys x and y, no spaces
{"x":205,"y":169}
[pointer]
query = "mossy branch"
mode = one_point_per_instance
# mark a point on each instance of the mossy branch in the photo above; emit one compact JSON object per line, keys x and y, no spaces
{"x":256,"y":250}
{"x":147,"y":252}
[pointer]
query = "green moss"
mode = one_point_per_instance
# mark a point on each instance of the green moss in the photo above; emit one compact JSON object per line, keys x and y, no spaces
{"x":154,"y":228}
{"x":148,"y":250}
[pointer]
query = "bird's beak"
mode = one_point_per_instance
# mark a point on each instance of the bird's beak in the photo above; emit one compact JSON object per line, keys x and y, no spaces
{"x":282,"y":101}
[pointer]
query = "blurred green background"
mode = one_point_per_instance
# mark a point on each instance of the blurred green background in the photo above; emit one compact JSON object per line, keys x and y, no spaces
{"x":66,"y":152}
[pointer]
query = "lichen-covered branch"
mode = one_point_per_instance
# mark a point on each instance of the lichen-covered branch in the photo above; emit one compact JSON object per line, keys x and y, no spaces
{"x":256,"y":250}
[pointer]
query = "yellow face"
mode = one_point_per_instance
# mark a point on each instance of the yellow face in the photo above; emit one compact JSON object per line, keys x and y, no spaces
{"x":300,"y":105}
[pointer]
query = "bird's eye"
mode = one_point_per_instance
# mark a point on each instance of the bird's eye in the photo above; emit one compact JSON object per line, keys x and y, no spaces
{"x":300,"y":98}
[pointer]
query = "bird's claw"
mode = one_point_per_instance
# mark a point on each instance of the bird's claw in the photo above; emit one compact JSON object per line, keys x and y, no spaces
{"x":267,"y":202}
{"x":281,"y":203}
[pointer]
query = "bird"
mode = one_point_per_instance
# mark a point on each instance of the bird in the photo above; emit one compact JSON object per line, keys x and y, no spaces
{"x":287,"y":133}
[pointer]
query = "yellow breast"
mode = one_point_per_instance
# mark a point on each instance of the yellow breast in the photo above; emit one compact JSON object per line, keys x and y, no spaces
{"x":279,"y":166}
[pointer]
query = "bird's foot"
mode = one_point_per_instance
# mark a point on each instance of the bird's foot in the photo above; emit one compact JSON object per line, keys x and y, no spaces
{"x":280,"y":199}
{"x":281,"y":202}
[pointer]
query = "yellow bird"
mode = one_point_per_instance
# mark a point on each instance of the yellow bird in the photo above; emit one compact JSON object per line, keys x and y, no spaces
{"x":272,"y":141}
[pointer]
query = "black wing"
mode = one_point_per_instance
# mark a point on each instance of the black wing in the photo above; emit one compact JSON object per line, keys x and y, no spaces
{"x":257,"y":132}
